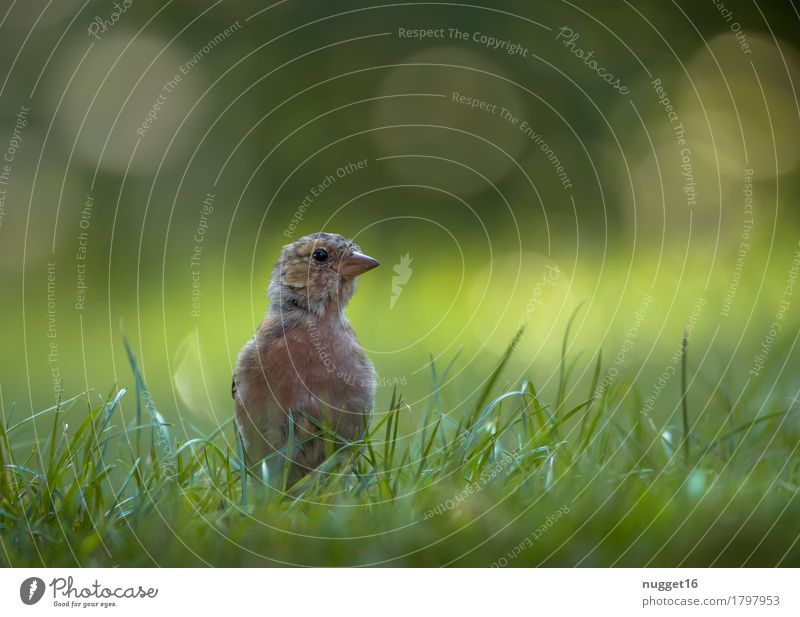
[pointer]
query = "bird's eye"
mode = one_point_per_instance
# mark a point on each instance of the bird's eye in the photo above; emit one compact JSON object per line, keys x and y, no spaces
{"x":320,"y":255}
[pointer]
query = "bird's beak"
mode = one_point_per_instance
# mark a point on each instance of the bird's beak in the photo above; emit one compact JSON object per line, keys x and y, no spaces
{"x":358,"y":263}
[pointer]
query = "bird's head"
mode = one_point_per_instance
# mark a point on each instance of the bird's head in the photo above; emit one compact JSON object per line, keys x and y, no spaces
{"x":316,"y":271}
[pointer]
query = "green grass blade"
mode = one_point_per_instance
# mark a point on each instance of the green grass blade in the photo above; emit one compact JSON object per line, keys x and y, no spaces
{"x":495,"y":374}
{"x":562,"y":377}
{"x":685,"y":402}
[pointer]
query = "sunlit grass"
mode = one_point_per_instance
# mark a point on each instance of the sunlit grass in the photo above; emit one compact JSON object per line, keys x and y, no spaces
{"x":507,"y":479}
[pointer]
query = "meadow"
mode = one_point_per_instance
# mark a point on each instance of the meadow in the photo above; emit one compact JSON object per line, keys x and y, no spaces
{"x":584,"y":325}
{"x":513,"y":479}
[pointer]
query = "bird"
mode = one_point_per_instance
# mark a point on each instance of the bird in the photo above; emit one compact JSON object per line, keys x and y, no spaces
{"x":303,"y":379}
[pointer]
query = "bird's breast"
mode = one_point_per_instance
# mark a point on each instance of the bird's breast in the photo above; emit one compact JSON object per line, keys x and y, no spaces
{"x":320,"y":368}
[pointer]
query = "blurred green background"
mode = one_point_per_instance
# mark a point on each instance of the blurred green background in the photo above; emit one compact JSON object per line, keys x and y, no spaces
{"x":121,"y":175}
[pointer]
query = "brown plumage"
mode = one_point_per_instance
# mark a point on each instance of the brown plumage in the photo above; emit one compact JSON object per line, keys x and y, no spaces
{"x":304,"y":366}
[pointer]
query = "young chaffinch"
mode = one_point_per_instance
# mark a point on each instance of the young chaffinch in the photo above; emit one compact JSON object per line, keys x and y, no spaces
{"x":304,"y":364}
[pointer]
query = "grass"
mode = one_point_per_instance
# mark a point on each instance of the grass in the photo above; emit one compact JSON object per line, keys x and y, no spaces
{"x":509,"y":481}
